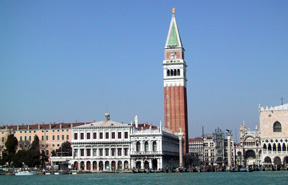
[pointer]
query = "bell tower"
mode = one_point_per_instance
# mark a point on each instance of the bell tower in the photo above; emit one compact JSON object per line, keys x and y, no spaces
{"x":174,"y":73}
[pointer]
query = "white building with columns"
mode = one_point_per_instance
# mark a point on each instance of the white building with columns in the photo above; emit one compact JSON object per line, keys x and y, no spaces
{"x":108,"y":145}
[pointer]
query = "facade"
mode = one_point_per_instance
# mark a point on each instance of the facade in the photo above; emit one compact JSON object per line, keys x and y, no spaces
{"x":108,"y":146}
{"x":51,"y":135}
{"x":196,"y":147}
{"x":174,"y":73}
{"x":274,"y":135}
{"x":249,"y":149}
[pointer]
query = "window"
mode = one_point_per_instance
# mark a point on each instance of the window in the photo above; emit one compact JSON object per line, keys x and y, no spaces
{"x":277,"y":127}
{"x":58,"y":137}
{"x":47,"y":152}
{"x":20,"y":138}
{"x":146,"y":146}
{"x":75,"y":152}
{"x":126,"y":135}
{"x":113,"y":135}
{"x":53,"y":145}
{"x":88,"y":152}
{"x":100,"y":151}
{"x":106,"y":151}
{"x":82,"y":152}
{"x":101,"y":135}
{"x":125,"y":151}
{"x":3,"y":139}
{"x":154,"y":146}
{"x":88,"y":135}
{"x":75,"y":136}
{"x":107,"y":135}
{"x":29,"y":138}
{"x":53,"y":131}
{"x":94,"y":135}
{"x":53,"y":137}
{"x":119,"y":151}
{"x":94,"y":152}
{"x":63,"y":137}
{"x":25,"y":138}
{"x":119,"y":135}
{"x":47,"y":138}
{"x":42,"y":138}
{"x":113,"y":151}
{"x":67,"y":137}
{"x":82,"y":135}
{"x":138,"y":146}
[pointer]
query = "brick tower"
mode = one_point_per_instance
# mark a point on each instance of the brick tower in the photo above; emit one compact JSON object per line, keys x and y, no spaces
{"x":174,"y":72}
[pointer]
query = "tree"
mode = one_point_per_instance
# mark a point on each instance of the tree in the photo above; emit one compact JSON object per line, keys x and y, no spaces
{"x":10,"y":151}
{"x":65,"y":149}
{"x":34,"y":153}
{"x":44,"y":158}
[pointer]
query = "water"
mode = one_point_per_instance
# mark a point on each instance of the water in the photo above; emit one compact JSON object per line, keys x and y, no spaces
{"x":258,"y":178}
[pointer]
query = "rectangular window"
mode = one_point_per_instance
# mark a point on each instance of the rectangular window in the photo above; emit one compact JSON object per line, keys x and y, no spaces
{"x":42,"y":138}
{"x":67,"y":137}
{"x":94,"y":152}
{"x":113,"y":151}
{"x":119,"y":135}
{"x":125,"y":151}
{"x":53,"y":137}
{"x":25,"y":138}
{"x":88,"y":152}
{"x":126,"y":135}
{"x":100,"y":151}
{"x":3,"y":139}
{"x":106,"y":151}
{"x":88,"y":135}
{"x":82,"y":152}
{"x":119,"y":151}
{"x":47,"y":138}
{"x":82,"y":135}
{"x":63,"y":137}
{"x":94,"y":135}
{"x":113,"y":135}
{"x":107,"y":135}
{"x":75,"y":152}
{"x":75,"y":136}
{"x":20,"y":138}
{"x":101,"y":135}
{"x":58,"y":137}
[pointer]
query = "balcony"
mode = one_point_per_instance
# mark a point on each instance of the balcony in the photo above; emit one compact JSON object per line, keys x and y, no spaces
{"x":145,"y":153}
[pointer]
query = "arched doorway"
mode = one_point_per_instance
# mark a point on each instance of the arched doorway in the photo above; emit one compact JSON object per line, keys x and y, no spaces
{"x":88,"y":165}
{"x":250,"y":157}
{"x":101,"y":165}
{"x":154,"y":164}
{"x":119,"y":165}
{"x":138,"y":165}
{"x":94,"y":165}
{"x":126,"y":165}
{"x":113,"y":165}
{"x":267,"y":160}
{"x":146,"y":165}
{"x":82,"y":165}
{"x":277,"y":161}
{"x":107,"y":166}
{"x":76,"y":165}
{"x":285,"y":160}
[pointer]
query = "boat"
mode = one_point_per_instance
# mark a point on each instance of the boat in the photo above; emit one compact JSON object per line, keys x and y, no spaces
{"x":135,"y":171}
{"x":22,"y":173}
{"x":56,"y":173}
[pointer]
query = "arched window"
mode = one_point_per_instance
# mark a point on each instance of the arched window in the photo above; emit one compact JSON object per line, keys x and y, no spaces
{"x":277,"y":127}
{"x":175,"y":72}
{"x":269,"y":147}
{"x":178,"y":72}
{"x":154,"y":146}
{"x":283,"y":147}
{"x":279,"y":147}
{"x":138,"y":146}
{"x":274,"y":147}
{"x":264,"y":147}
{"x":146,"y":146}
{"x":168,"y":72}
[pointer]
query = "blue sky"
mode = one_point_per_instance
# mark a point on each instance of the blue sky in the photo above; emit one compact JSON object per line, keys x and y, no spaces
{"x":70,"y":60}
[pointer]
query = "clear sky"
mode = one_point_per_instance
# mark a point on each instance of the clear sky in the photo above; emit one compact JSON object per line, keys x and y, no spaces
{"x":62,"y":61}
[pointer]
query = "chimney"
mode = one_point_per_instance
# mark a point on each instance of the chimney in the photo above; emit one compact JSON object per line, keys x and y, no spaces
{"x":72,"y":125}
{"x":38,"y":126}
{"x":50,"y":125}
{"x":28,"y":127}
{"x":17,"y":127}
{"x":60,"y":125}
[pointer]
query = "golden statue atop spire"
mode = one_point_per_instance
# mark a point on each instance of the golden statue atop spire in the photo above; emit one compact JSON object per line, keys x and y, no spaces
{"x":173,"y":10}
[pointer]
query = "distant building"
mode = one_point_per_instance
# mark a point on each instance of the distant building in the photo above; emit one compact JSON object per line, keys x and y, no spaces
{"x":51,"y":135}
{"x":274,"y":134}
{"x":196,"y":147}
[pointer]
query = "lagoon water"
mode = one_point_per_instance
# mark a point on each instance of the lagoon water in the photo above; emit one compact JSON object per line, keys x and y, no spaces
{"x":258,"y":178}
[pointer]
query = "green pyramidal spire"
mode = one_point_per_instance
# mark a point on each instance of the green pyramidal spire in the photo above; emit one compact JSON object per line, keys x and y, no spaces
{"x":173,"y":38}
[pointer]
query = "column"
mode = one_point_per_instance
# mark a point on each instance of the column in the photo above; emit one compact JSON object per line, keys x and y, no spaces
{"x":180,"y":135}
{"x":229,"y":134}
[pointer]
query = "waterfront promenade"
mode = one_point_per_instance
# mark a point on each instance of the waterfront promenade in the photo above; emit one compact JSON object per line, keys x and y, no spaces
{"x":268,"y":177}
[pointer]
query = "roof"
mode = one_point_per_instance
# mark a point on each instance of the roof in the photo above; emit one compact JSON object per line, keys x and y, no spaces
{"x":195,"y":140}
{"x":105,"y":123}
{"x":173,"y":38}
{"x":282,"y":107}
{"x":144,"y":126}
{"x":44,"y":126}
